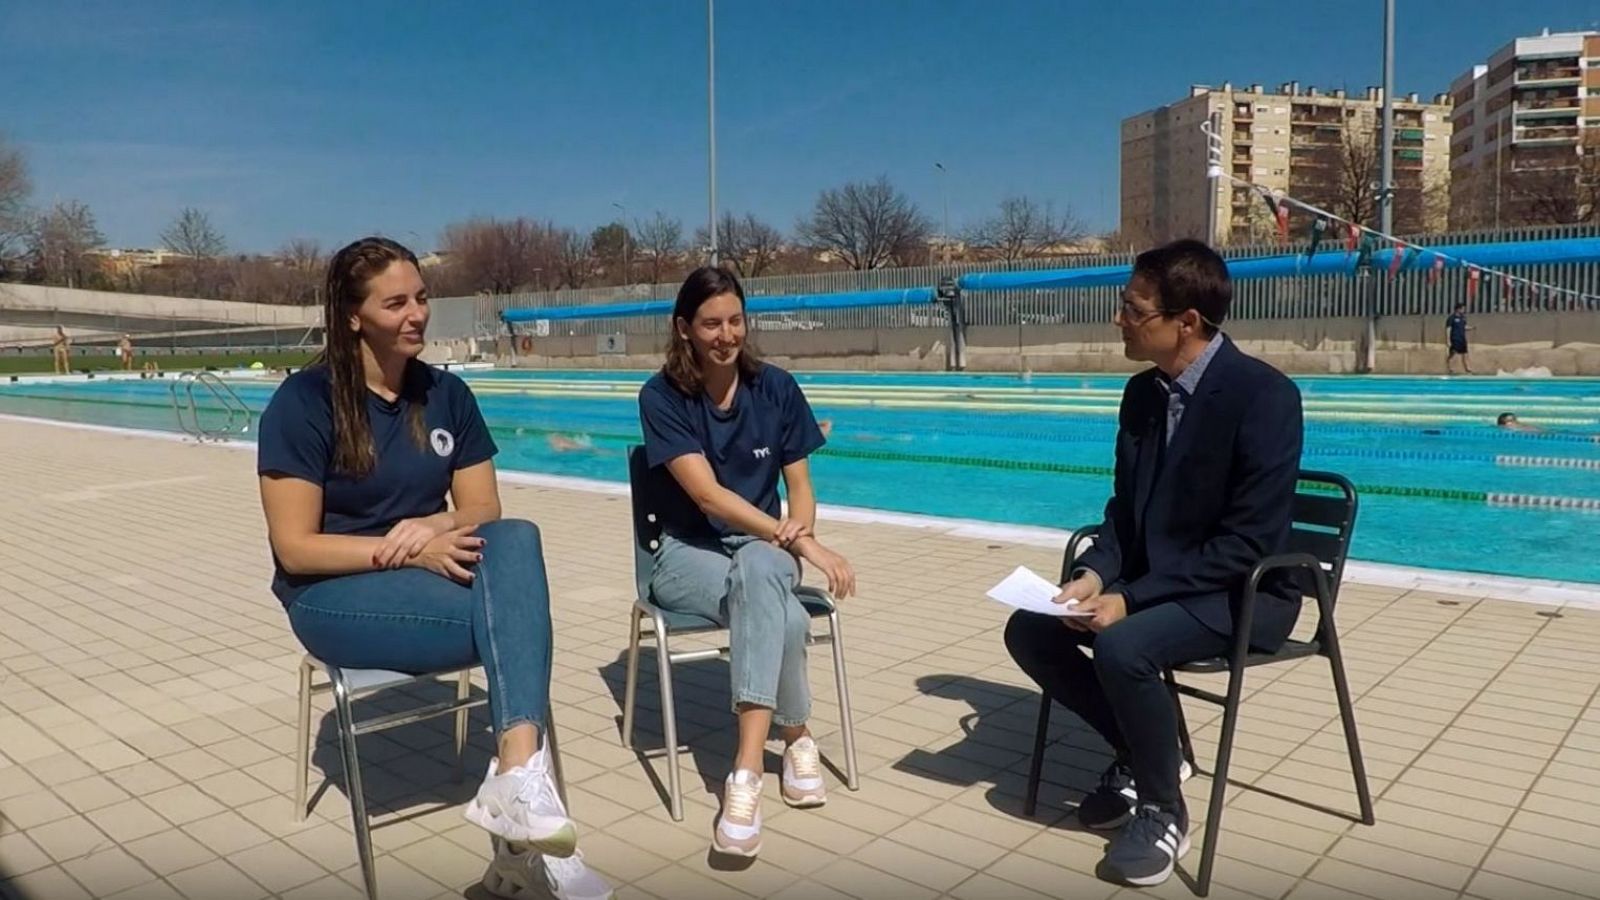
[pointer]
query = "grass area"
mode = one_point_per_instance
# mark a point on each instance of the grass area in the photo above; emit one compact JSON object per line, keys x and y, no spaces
{"x":35,"y":364}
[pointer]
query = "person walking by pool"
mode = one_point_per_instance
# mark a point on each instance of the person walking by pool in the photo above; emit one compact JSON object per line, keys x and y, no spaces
{"x":125,"y":352}
{"x":356,"y":455}
{"x":726,"y":426}
{"x":1456,"y":328}
{"x":1207,"y":456}
{"x":61,"y":352}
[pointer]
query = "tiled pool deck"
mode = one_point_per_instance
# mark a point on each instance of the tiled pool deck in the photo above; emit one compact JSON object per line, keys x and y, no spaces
{"x":147,"y":682}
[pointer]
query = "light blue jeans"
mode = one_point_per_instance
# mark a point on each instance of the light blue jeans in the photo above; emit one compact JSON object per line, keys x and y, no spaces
{"x":746,"y":585}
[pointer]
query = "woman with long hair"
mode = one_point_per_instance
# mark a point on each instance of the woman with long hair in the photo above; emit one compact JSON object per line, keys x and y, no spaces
{"x":357,"y":454}
{"x":727,"y":426}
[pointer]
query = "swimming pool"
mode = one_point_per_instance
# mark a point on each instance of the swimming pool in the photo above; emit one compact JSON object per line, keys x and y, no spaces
{"x":1441,"y":486}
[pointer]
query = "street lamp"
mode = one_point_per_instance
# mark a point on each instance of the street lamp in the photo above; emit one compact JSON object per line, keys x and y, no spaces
{"x":627,"y":238}
{"x":944,"y":192}
{"x":711,"y":123}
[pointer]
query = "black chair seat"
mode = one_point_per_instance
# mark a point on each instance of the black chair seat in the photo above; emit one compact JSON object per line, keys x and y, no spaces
{"x":1289,"y":651}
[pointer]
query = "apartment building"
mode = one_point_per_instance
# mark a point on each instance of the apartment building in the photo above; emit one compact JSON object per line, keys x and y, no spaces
{"x":1321,"y":147}
{"x":1526,"y":142}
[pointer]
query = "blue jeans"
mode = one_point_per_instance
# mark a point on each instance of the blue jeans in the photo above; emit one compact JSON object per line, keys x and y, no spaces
{"x":746,"y":585}
{"x":411,"y":620}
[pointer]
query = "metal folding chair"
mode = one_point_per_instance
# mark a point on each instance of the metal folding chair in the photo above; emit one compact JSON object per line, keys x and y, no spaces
{"x":1318,"y":544}
{"x":349,"y":684}
{"x":664,"y":625}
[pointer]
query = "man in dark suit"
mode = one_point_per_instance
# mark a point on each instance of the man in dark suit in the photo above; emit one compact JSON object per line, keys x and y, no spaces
{"x":1207,"y":456}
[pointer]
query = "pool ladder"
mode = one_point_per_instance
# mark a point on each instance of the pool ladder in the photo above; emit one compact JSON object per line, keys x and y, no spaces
{"x":187,"y":409}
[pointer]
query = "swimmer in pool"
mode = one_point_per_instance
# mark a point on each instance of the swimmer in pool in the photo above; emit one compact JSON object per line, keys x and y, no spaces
{"x":1509,"y":422}
{"x":560,"y":443}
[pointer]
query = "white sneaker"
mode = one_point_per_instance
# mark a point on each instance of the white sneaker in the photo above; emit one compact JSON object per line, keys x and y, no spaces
{"x":533,"y":876}
{"x":738,"y":831}
{"x":522,"y":807}
{"x":802,"y":774}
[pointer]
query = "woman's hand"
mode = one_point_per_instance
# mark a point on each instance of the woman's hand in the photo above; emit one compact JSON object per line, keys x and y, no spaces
{"x":450,"y":553}
{"x":841,"y":577}
{"x":407,"y":538}
{"x":789,"y":531}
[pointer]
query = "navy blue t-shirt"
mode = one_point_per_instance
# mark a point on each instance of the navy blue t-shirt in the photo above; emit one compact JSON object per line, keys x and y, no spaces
{"x":769,"y":426}
{"x":1457,"y":324}
{"x":296,"y":438}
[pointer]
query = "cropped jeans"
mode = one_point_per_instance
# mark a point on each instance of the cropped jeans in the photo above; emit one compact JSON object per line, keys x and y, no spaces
{"x":414,"y":621}
{"x":746,"y":585}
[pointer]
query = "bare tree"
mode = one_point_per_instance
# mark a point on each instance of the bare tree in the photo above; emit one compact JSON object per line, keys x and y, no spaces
{"x":60,"y":242}
{"x":660,"y":241}
{"x":193,"y":235}
{"x":14,"y":191}
{"x":1353,"y":197}
{"x":577,"y":262}
{"x":868,"y":225}
{"x":1562,"y":191}
{"x":612,"y":245}
{"x":304,"y":261}
{"x":1024,"y":228}
{"x":501,"y":256}
{"x":749,"y":245}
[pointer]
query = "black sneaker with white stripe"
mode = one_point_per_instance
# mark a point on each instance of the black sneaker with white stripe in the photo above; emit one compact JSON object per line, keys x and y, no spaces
{"x":1111,"y":804}
{"x":1145,"y":851}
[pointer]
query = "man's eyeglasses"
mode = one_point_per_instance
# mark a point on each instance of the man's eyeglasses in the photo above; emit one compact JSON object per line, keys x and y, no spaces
{"x":1133,"y":315}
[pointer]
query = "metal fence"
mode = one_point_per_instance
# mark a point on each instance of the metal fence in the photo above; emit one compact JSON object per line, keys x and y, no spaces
{"x":1323,"y":296}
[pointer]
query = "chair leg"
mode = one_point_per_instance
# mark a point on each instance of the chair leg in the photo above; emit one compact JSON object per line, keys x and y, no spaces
{"x":1184,"y":742}
{"x":302,"y":750}
{"x":669,"y":722}
{"x":463,"y":691}
{"x":1347,"y":715}
{"x":847,"y":727}
{"x":1030,"y":799}
{"x":1219,"y":778}
{"x":630,"y":682}
{"x":555,"y":755}
{"x":352,"y":780}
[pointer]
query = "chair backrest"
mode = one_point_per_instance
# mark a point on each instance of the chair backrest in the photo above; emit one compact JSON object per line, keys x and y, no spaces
{"x":1323,"y":520}
{"x":653,"y":490}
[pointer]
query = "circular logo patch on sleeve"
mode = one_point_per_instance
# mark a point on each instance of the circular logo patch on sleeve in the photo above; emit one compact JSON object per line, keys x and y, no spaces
{"x":443,"y":441}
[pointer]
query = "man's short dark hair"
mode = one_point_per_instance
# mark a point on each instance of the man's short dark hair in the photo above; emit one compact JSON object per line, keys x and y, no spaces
{"x":1505,"y":418}
{"x":1187,"y":275}
{"x":1460,"y":306}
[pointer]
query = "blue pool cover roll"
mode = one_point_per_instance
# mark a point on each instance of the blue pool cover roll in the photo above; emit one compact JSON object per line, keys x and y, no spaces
{"x":1331,"y":261}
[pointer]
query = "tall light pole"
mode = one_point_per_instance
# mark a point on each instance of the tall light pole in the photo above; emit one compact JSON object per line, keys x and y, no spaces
{"x":1386,"y":161}
{"x":1385,"y":189}
{"x":711,"y":121}
{"x":627,"y":238}
{"x":944,"y":193}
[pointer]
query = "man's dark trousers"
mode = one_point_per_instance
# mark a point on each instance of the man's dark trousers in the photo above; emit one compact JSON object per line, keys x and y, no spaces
{"x":1120,"y":693}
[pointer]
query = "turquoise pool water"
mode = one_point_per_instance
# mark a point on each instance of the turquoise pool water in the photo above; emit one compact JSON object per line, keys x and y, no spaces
{"x":997,"y":448}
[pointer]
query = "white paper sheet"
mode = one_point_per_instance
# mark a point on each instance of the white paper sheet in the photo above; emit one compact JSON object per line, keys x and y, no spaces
{"x":1026,"y":589}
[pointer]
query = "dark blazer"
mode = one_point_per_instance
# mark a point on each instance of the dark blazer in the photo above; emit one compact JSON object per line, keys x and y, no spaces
{"x":1187,"y":521}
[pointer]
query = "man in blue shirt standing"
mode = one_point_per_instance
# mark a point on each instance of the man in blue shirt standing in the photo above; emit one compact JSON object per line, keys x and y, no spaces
{"x":1457,"y":327}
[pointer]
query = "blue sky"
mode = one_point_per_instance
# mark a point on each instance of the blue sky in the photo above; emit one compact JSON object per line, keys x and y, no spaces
{"x":328,"y":120}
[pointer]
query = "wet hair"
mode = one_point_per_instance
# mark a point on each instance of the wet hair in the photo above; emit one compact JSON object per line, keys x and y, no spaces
{"x":683,"y":368}
{"x":1187,"y":275}
{"x":344,"y":290}
{"x":1506,"y":419}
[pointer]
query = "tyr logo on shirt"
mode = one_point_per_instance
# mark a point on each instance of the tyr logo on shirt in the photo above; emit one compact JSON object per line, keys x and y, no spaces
{"x":763,"y":452}
{"x":443,"y":442}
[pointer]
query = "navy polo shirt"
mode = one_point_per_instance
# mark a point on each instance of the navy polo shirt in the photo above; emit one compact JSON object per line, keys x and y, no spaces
{"x":1457,"y":325}
{"x":769,"y":426}
{"x":296,"y":438}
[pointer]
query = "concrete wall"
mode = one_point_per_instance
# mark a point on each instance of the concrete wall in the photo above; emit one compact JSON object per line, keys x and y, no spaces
{"x":32,"y":309}
{"x":1568,"y":343}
